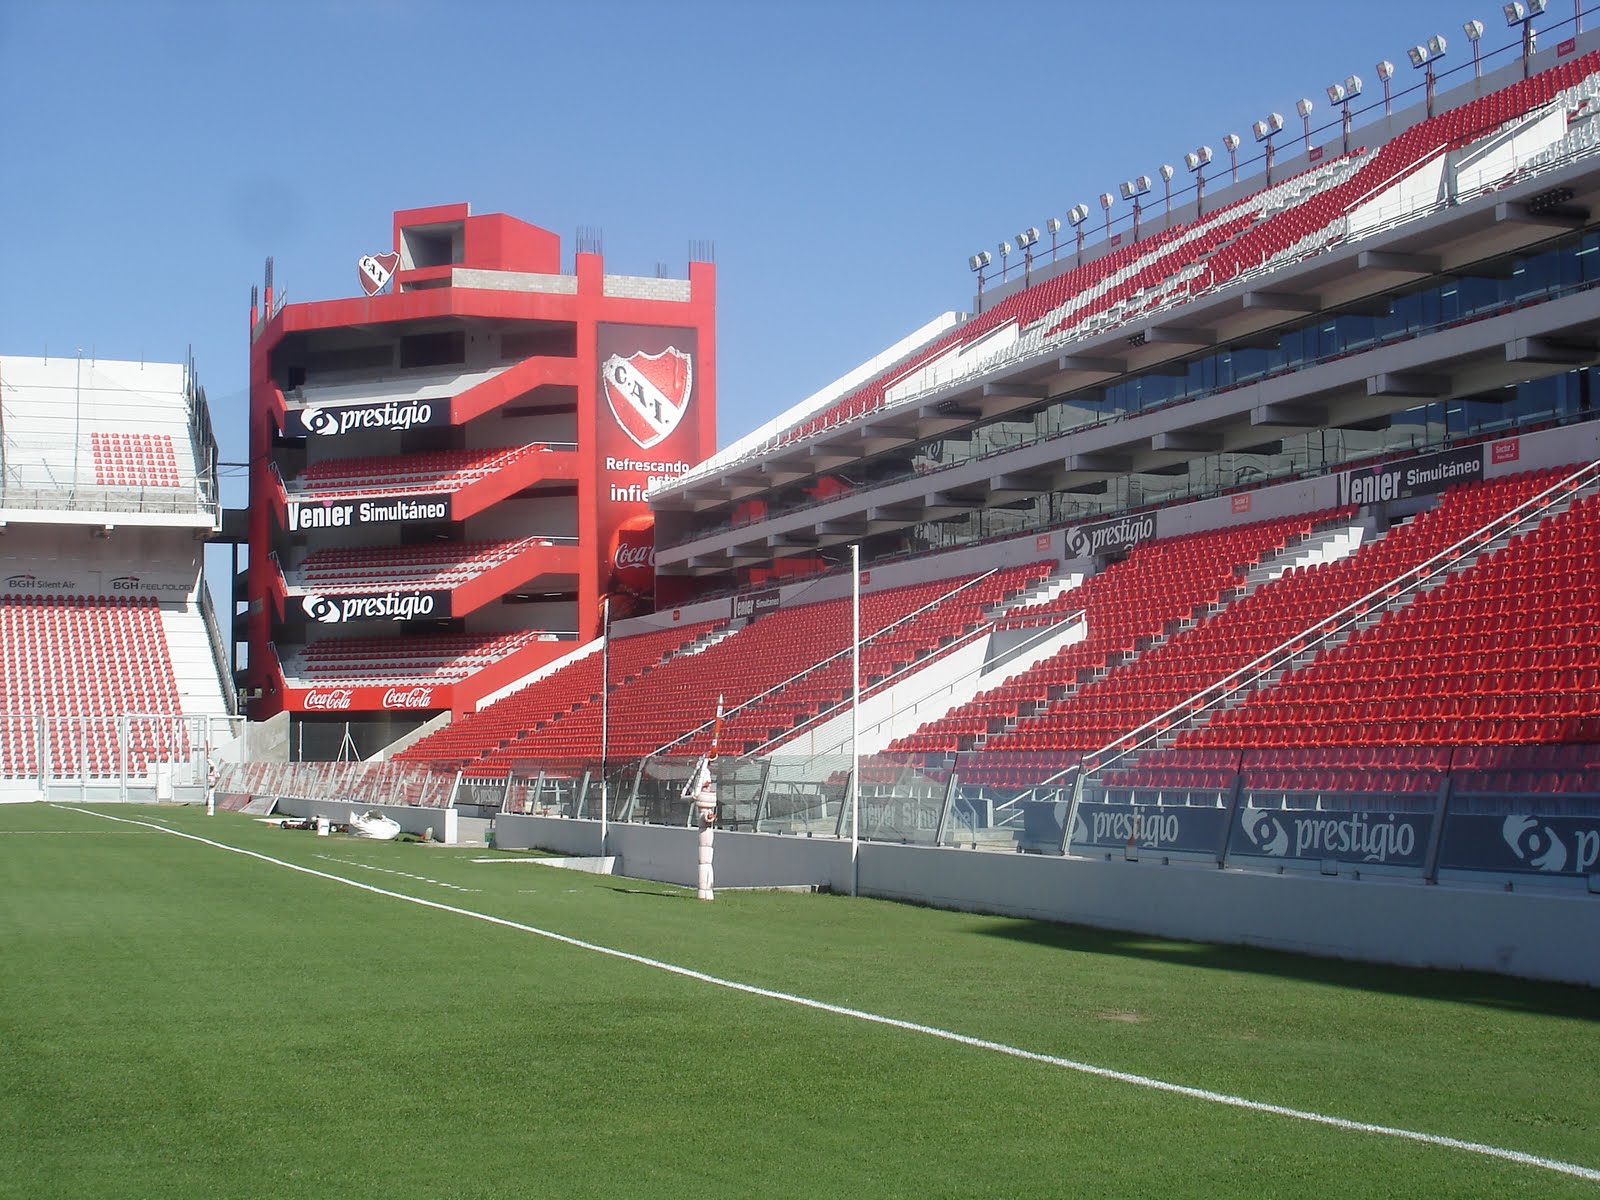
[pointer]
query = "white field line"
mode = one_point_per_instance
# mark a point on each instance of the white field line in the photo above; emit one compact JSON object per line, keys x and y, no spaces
{"x":1575,"y":1170}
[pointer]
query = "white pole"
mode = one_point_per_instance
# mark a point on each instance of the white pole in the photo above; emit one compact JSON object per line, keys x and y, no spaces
{"x":704,"y":811}
{"x":855,"y":719}
{"x":605,"y":710}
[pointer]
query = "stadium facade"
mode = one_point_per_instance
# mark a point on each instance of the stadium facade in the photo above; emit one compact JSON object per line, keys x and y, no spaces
{"x":115,"y":682}
{"x":459,"y":458}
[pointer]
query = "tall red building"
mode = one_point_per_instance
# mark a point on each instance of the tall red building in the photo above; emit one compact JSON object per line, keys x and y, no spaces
{"x":448,"y":471}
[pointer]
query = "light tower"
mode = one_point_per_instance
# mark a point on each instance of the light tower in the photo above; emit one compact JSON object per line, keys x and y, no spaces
{"x":1341,"y":94}
{"x":1197,"y":160}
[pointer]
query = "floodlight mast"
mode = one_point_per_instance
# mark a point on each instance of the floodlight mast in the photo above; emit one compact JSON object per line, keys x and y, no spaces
{"x":1076,"y":216}
{"x":1522,"y":12}
{"x":1474,"y":31}
{"x":1230,"y":142}
{"x":1026,"y":241}
{"x":1106,"y":200}
{"x":978,"y":262}
{"x":1341,"y":94}
{"x":1303,"y":106}
{"x":1005,"y":259}
{"x":1166,"y":172}
{"x":1385,"y":70}
{"x":1265,"y":130}
{"x":1197,"y":160}
{"x":1424,"y":56}
{"x":1133,"y":189}
{"x":1054,"y":226}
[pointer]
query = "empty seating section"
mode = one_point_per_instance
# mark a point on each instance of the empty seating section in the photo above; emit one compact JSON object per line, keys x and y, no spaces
{"x":134,"y":460}
{"x":1126,"y":607}
{"x":556,"y":694}
{"x":429,"y":471}
{"x":79,"y":664}
{"x":1289,"y":219}
{"x":442,"y":565}
{"x":1497,"y":771}
{"x":1506,"y":650}
{"x":417,"y":658}
{"x":1207,"y":773}
{"x":675,"y":702}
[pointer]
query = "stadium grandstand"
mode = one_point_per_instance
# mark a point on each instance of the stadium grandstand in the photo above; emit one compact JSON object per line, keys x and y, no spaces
{"x":1273,"y":512}
{"x":1260,"y":532}
{"x":115,"y":681}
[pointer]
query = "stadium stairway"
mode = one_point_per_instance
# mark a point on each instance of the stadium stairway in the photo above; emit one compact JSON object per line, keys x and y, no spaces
{"x":1128,"y":607}
{"x":775,"y":673}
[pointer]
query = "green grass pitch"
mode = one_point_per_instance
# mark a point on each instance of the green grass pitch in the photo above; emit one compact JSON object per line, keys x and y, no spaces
{"x":180,"y":1021}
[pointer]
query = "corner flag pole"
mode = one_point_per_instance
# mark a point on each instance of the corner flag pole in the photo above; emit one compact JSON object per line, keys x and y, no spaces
{"x":704,"y":810}
{"x":855,"y":719}
{"x":605,"y":710}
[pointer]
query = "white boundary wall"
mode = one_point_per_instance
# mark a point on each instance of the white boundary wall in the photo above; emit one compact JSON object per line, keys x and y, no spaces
{"x":1533,"y":934}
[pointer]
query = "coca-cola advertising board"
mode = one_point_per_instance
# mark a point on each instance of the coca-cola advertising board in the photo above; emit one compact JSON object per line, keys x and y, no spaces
{"x":649,"y":429}
{"x":338,"y":699}
{"x":633,"y":557}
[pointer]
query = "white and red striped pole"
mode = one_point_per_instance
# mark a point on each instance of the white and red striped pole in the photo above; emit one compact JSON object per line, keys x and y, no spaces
{"x":705,"y":809}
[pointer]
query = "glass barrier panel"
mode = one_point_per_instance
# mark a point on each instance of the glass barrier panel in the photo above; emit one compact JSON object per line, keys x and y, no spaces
{"x":660,"y":798}
{"x":902,"y":799}
{"x":1012,"y":799}
{"x":805,"y":795}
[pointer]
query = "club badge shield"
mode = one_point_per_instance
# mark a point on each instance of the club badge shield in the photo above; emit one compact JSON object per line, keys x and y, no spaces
{"x":376,"y":270}
{"x":648,"y":393}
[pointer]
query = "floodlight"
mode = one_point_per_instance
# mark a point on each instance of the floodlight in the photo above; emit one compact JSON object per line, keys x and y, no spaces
{"x":1028,"y":237}
{"x":1132,"y":189}
{"x":1166,"y":172}
{"x":1076,"y":216}
{"x":1230,"y":142}
{"x":1519,"y":13}
{"x":1004,"y":248}
{"x":1342,"y":94}
{"x":1264,"y":129}
{"x":1303,"y":106}
{"x":979,"y":261}
{"x":1385,"y":70}
{"x":1106,"y":200}
{"x":1426,"y":55}
{"x":1053,"y":226}
{"x":1473,"y":30}
{"x":1197,"y":158}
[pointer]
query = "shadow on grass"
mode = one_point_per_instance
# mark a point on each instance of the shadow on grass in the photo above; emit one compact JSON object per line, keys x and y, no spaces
{"x":628,"y":891}
{"x":1462,"y":987}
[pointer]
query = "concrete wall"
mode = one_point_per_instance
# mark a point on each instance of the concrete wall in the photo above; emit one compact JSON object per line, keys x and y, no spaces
{"x":265,"y":741}
{"x":1537,"y":935}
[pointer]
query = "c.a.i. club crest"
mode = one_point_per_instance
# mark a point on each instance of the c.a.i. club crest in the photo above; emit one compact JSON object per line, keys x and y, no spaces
{"x":648,"y":393}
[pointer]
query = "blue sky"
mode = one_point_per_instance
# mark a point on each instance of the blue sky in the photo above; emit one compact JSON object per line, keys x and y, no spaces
{"x":845,"y":158}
